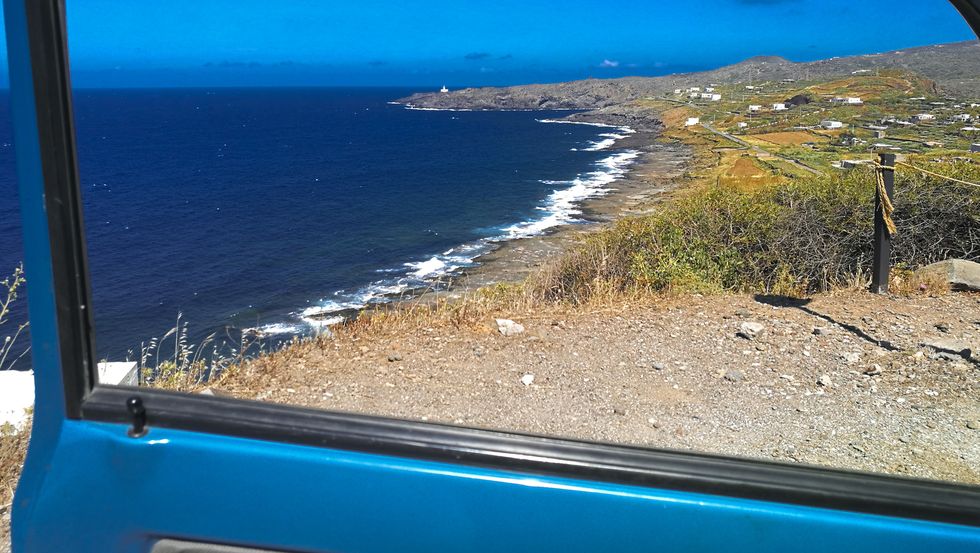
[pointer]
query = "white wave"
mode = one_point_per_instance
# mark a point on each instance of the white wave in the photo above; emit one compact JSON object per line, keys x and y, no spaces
{"x":566,"y":122}
{"x":273,"y":329}
{"x":325,"y":323}
{"x":561,"y":205}
{"x":427,"y":268}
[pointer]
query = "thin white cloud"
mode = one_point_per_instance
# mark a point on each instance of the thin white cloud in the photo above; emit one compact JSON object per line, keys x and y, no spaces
{"x":609,"y":63}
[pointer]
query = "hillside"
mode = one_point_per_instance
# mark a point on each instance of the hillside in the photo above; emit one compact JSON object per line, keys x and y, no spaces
{"x":954,"y":67}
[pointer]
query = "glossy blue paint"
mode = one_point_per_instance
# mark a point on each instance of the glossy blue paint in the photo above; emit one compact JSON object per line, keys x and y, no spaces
{"x":49,"y":411}
{"x":111,"y":493}
{"x":88,"y":487}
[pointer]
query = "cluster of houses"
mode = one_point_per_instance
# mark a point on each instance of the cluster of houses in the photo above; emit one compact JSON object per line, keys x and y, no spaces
{"x":695,"y":93}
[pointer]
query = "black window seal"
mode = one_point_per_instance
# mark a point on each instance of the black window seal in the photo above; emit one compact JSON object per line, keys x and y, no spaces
{"x":682,"y":471}
{"x":656,"y":468}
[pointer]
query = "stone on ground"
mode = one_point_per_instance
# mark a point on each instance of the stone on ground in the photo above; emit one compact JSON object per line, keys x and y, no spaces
{"x":959,"y":273}
{"x":508,"y":327}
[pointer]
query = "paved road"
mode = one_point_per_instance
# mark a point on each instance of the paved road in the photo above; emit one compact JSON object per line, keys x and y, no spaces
{"x":759,"y":149}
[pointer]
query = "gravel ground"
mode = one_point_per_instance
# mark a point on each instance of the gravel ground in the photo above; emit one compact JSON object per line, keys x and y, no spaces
{"x":841,"y":380}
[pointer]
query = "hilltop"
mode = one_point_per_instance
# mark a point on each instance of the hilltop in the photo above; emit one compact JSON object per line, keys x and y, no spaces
{"x":954,"y":67}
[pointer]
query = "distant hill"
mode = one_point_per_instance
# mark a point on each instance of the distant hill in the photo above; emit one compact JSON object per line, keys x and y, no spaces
{"x":954,"y":67}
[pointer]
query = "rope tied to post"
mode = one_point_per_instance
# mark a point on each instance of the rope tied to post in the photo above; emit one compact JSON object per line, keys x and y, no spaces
{"x":887,"y":208}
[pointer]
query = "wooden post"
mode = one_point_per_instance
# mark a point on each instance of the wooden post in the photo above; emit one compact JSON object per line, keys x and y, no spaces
{"x":881,"y":262}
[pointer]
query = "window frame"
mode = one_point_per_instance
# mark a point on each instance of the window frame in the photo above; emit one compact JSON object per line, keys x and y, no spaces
{"x":86,"y":400}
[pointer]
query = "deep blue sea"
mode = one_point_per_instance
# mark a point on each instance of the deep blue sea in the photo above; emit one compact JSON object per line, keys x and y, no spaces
{"x":277,"y":209}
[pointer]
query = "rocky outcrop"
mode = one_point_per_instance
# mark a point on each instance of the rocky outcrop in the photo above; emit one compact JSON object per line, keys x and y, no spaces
{"x":954,"y":67}
{"x":959,"y":273}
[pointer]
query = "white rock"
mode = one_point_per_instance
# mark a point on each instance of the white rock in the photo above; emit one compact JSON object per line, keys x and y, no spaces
{"x":508,"y":327}
{"x":825,"y":381}
{"x":959,"y":273}
{"x":16,"y":396}
{"x":527,"y":379}
{"x":750,"y":330}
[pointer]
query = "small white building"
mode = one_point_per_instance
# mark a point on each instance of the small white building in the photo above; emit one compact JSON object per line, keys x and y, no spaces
{"x":443,"y":89}
{"x":691,"y":121}
{"x":970,"y":129}
{"x":924,"y":117}
{"x":714,"y":97}
{"x":694,"y":89}
{"x":709,"y":89}
{"x":831,"y":124}
{"x":852,"y":163}
{"x":963,"y":117}
{"x":779,"y":107}
{"x":678,"y":91}
{"x":743,"y":125}
{"x":852,"y":101}
{"x":755,"y":108}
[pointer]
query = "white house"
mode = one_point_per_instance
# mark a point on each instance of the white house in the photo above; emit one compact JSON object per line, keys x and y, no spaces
{"x":831,"y":124}
{"x":743,"y":125}
{"x":963,"y":117}
{"x":709,"y":89}
{"x":714,"y":97}
{"x":847,"y":100}
{"x":691,"y":121}
{"x":779,"y":107}
{"x":754,"y":108}
{"x":677,"y":91}
{"x":924,"y":117}
{"x":443,"y":89}
{"x":694,"y":89}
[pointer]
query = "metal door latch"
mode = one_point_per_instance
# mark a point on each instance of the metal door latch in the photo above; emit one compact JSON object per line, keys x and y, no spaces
{"x":138,"y":413}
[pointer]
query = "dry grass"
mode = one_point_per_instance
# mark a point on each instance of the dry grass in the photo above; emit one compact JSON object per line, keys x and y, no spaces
{"x":905,"y":282}
{"x":789,"y":138}
{"x":13,"y":449}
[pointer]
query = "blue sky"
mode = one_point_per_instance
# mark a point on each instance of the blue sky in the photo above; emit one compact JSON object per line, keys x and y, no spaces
{"x":374,"y":42}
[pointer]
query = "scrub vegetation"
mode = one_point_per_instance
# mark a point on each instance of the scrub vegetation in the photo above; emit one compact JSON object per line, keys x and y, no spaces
{"x":11,"y":285}
{"x":791,"y":238}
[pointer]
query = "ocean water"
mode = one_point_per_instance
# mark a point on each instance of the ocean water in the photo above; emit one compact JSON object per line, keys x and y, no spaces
{"x":278,"y":211}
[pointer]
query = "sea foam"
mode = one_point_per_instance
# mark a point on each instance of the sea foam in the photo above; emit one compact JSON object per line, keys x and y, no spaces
{"x":561,"y":207}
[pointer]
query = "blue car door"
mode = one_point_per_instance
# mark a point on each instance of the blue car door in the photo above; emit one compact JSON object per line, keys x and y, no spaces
{"x":134,"y":470}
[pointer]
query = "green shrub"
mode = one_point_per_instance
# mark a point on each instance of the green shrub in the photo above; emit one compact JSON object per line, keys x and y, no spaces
{"x":792,"y":238}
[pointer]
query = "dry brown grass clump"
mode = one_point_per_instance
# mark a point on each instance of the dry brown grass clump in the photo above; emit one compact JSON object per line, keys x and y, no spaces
{"x":13,"y":450}
{"x":791,"y":238}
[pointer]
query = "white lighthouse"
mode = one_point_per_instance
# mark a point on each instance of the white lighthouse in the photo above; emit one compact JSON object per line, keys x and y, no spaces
{"x":443,"y":89}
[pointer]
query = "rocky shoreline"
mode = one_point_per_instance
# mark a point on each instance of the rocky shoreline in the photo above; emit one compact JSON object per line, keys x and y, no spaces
{"x":656,"y":171}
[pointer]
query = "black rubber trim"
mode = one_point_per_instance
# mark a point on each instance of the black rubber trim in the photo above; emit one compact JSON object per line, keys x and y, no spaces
{"x":690,"y":472}
{"x":710,"y":474}
{"x":62,"y":197}
{"x":970,"y":10}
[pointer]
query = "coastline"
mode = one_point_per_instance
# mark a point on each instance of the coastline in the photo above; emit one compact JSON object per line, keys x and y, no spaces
{"x":656,"y":172}
{"x":654,"y":168}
